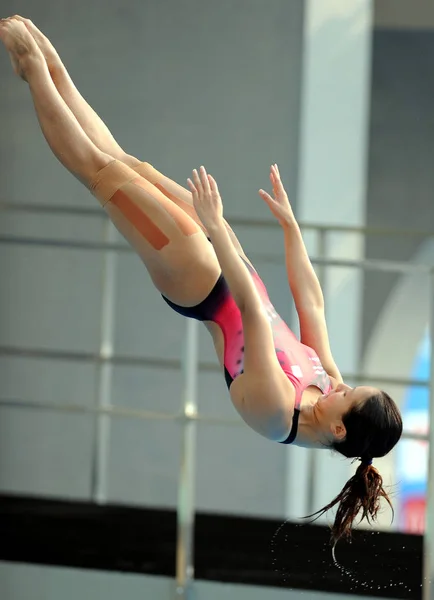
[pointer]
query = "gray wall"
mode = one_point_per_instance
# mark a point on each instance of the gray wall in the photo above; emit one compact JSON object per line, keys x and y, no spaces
{"x":401,"y":177}
{"x":180,"y":84}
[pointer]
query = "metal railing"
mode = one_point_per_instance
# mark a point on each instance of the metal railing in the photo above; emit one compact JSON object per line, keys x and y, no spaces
{"x":188,"y":415}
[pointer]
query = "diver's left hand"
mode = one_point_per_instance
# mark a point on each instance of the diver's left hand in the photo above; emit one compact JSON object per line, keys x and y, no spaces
{"x":206,"y":198}
{"x":278,"y":203}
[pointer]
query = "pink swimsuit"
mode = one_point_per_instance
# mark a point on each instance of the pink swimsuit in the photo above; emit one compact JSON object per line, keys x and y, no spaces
{"x":299,"y":362}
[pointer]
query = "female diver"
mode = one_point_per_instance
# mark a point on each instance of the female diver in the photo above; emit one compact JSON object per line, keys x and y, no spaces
{"x":287,"y":390}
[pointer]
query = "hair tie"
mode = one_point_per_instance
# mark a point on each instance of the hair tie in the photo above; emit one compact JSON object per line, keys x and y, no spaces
{"x":366,"y":461}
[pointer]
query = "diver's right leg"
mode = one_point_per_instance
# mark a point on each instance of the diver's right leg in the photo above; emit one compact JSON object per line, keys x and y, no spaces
{"x":66,"y":138}
{"x":101,"y":136}
{"x":94,"y":127}
{"x":175,"y":251}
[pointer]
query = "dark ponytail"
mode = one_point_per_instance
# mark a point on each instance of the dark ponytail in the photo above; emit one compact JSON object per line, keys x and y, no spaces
{"x":361,"y":494}
{"x":372,"y":430}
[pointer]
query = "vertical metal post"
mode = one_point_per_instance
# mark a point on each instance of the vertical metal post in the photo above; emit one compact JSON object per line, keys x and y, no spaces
{"x":104,"y":370}
{"x":322,"y":251}
{"x":186,"y":490}
{"x":428,"y":557}
{"x":301,"y":501}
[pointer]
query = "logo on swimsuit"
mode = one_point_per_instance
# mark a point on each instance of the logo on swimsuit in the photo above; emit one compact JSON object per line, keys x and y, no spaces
{"x":296,"y":371}
{"x":317,"y":366}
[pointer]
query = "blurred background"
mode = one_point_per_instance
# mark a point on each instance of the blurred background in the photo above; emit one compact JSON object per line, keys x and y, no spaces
{"x":96,"y":372}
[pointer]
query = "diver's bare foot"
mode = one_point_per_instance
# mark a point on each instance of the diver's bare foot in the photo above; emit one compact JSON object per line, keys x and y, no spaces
{"x":19,"y":43}
{"x":48,"y":50}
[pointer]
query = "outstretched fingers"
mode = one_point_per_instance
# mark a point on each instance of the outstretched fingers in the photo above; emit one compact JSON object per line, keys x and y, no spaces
{"x":206,"y":198}
{"x":266,"y":196}
{"x":202,"y":182}
{"x":205,"y":180}
{"x":193,"y":188}
{"x":213,"y":184}
{"x":197,"y":182}
{"x":276,"y":180}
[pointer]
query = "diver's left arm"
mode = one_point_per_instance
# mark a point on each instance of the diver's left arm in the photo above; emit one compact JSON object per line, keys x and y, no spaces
{"x":262,"y":394}
{"x":209,"y":207}
{"x":303,"y":281}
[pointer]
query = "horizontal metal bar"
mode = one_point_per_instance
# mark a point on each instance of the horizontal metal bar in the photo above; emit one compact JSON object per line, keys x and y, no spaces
{"x":367,"y":230}
{"x":143,"y":415}
{"x":415,"y":437}
{"x":237,"y":221}
{"x":94,"y":410}
{"x":384,"y":380}
{"x":375,"y":265}
{"x":114,"y":411}
{"x":368,"y":265}
{"x":53,"y":209}
{"x":172,"y":364}
{"x":332,"y":228}
{"x":69,"y":244}
{"x":89,"y":357}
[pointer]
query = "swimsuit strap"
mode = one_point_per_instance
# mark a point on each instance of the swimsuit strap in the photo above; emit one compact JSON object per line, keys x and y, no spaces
{"x":293,"y":433}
